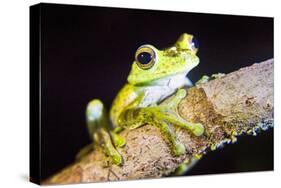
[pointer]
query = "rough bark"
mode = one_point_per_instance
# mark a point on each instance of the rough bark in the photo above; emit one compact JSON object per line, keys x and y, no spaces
{"x":239,"y":103}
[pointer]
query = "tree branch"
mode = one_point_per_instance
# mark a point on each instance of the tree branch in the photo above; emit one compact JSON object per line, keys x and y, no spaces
{"x":239,"y":103}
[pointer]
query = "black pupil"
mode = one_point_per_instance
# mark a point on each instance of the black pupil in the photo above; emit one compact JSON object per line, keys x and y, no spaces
{"x":144,"y":58}
{"x":195,"y":43}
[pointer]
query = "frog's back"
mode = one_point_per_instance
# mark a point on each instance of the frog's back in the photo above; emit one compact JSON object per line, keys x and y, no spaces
{"x":125,"y":96}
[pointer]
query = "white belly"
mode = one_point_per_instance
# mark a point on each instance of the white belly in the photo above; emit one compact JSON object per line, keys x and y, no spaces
{"x":164,"y":88}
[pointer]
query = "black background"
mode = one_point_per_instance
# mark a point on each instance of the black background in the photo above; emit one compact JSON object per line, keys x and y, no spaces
{"x":87,"y":53}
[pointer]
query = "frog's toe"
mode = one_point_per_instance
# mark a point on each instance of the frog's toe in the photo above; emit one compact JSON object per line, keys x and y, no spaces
{"x":116,"y":159}
{"x":181,"y":93}
{"x":120,"y":142}
{"x":181,"y":169}
{"x":198,"y":129}
{"x":179,"y":149}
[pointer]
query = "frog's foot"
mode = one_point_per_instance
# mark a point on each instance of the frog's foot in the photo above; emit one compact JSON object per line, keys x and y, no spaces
{"x":98,"y":128}
{"x":109,"y":149}
{"x":104,"y":138}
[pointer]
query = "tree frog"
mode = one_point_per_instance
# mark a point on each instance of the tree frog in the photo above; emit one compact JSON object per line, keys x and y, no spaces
{"x":155,"y":75}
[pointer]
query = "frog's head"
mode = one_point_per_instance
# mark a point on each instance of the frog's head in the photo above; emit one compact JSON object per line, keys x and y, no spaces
{"x":151,"y":64}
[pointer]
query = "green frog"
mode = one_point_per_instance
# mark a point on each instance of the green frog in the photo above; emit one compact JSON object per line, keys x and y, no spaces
{"x":155,"y":75}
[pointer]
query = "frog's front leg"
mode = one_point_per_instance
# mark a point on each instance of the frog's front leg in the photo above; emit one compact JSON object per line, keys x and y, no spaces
{"x":162,"y":116}
{"x":169,"y":112}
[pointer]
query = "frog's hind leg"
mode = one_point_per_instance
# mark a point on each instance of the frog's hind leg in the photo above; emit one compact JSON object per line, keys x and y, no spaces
{"x":100,"y":131}
{"x":95,"y":118}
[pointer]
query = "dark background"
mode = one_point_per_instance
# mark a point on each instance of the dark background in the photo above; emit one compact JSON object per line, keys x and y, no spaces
{"x":87,"y":53}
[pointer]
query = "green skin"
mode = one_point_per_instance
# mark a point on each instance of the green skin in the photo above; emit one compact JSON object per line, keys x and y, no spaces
{"x":137,"y":103}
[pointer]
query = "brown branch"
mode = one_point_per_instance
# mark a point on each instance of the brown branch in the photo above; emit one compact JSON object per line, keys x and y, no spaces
{"x":238,"y":103}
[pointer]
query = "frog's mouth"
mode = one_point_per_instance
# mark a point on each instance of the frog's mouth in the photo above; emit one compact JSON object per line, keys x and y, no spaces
{"x":171,"y":80}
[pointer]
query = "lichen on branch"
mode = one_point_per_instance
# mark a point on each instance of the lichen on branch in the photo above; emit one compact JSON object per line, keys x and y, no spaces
{"x":238,"y":103}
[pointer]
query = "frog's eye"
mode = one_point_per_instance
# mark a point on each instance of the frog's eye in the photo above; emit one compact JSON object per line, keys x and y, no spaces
{"x":187,"y":42}
{"x":194,"y":44}
{"x":145,"y":57}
